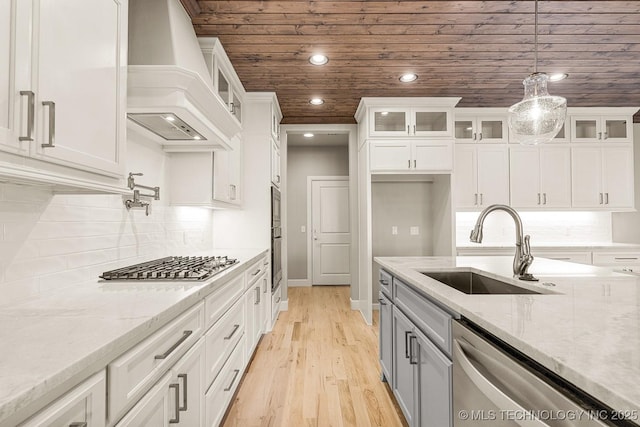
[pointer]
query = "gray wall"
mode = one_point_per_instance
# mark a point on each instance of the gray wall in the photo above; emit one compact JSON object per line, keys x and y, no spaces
{"x":303,"y":162}
{"x":404,"y":205}
{"x":625,"y":226}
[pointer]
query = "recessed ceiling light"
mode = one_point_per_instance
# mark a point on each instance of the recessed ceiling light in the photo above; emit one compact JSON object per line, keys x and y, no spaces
{"x":316,"y":101}
{"x":409,"y":77}
{"x":557,"y":77}
{"x":318,"y":59}
{"x":170,"y":118}
{"x":308,"y":135}
{"x":384,"y":113}
{"x":196,"y":137}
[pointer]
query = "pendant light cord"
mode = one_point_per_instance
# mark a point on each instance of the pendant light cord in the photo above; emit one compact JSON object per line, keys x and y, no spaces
{"x":535,"y":42}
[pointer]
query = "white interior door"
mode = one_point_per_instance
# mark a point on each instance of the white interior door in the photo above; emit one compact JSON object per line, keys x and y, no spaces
{"x":331,"y":244}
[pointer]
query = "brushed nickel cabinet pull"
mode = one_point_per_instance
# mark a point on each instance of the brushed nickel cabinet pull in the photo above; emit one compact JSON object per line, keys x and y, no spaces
{"x":411,"y":361}
{"x":409,"y":164}
{"x":382,"y":301}
{"x":414,"y":129}
{"x":415,"y":164}
{"x":185,"y":398}
{"x":606,"y":198}
{"x":480,"y":139}
{"x":476,"y":199}
{"x":384,"y":282}
{"x":176,"y":420}
{"x":257,"y":300}
{"x":606,"y":135}
{"x":599,"y":135}
{"x":182,"y":339}
{"x":622,"y":258}
{"x":474,"y":136}
{"x":538,"y":198}
{"x":481,"y":198}
{"x":256,"y":272}
{"x":30,"y":116}
{"x":79,"y":424}
{"x":235,"y":328}
{"x":52,"y":124}
{"x":408,"y":130}
{"x":544,"y":198}
{"x":233,"y":380}
{"x":407,"y":334}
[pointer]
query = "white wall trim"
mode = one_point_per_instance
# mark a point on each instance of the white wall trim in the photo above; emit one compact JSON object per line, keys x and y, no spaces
{"x":375,"y":306}
{"x":284,"y":305}
{"x":298,"y":283}
{"x":355,"y":304}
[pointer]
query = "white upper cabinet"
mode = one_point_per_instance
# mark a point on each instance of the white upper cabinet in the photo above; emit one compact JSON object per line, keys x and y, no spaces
{"x":602,"y":177}
{"x":420,"y":117}
{"x":66,"y":86}
{"x":411,"y":156}
{"x":540,"y":176}
{"x":601,"y":128}
{"x":226,"y":84}
{"x":276,"y":117}
{"x":481,"y":175}
{"x":480,"y":126}
{"x":276,"y":174}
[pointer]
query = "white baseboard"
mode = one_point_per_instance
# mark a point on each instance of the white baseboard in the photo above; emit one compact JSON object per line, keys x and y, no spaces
{"x":375,"y":306}
{"x":355,"y":304}
{"x":284,"y":305}
{"x":298,"y":283}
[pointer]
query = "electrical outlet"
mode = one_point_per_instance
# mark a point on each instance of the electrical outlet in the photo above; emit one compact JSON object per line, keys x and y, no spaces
{"x":414,"y":231}
{"x":394,"y":230}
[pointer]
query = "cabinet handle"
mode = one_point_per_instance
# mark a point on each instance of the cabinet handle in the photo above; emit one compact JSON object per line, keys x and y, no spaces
{"x":232,"y":108}
{"x":176,"y":420}
{"x":538,"y":198}
{"x":232,"y":191}
{"x":544,"y":198}
{"x":476,"y":199}
{"x":411,"y":361}
{"x":480,"y":138}
{"x":599,"y":135}
{"x":601,"y":200}
{"x":235,"y":328}
{"x":480,"y":198}
{"x":384,"y":282}
{"x":606,"y":198}
{"x":79,"y":424}
{"x":257,"y":300}
{"x":256,"y":272}
{"x":233,"y":380}
{"x":277,"y":300}
{"x":52,"y":124}
{"x":185,"y":399}
{"x":622,"y":258}
{"x":30,"y":116}
{"x":414,"y":129}
{"x":408,"y":133}
{"x":182,"y":339}
{"x":415,"y":164}
{"x":409,"y":164}
{"x":606,"y":135}
{"x":381,"y":301}
{"x":407,"y":334}
{"x":474,"y":136}
{"x":278,"y":178}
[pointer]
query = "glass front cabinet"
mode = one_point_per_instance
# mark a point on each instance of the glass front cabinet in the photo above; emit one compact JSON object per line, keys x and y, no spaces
{"x":483,"y":128}
{"x":410,"y":122}
{"x":594,"y":128}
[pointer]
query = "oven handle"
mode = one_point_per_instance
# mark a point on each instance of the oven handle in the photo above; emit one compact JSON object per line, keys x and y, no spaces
{"x":493,"y":393}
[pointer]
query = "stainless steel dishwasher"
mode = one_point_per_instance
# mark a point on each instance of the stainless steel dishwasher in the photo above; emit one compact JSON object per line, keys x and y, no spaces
{"x":497,"y":389}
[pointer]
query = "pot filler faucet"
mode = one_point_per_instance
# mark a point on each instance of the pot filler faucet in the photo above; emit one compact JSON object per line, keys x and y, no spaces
{"x":523,"y":258}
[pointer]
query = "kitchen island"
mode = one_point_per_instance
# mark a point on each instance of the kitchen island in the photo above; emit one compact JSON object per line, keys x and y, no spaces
{"x":584,"y":326}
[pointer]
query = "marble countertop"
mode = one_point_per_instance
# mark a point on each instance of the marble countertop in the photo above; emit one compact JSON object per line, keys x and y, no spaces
{"x":587,"y":330}
{"x":53,"y":342}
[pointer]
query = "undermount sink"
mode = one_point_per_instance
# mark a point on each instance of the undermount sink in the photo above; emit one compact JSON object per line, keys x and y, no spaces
{"x":475,"y":284}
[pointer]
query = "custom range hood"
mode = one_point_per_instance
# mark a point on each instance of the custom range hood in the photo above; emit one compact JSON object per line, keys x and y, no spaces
{"x":169,"y":89}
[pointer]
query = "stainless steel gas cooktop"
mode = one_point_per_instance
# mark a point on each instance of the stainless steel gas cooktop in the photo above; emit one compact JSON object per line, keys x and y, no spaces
{"x":173,"y":268}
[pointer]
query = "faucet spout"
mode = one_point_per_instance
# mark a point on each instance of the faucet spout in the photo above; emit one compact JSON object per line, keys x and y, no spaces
{"x":522,"y":258}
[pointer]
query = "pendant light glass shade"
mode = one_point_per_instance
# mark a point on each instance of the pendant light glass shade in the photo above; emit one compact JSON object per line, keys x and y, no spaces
{"x":539,"y":116}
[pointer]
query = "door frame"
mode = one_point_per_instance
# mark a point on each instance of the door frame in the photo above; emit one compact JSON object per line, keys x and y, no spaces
{"x":310,"y":181}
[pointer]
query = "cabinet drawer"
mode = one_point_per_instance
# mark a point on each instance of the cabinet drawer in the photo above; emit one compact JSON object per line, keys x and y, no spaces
{"x":133,"y":373}
{"x":581,"y":257}
{"x":85,"y":403}
{"x":219,"y":301}
{"x":222,"y":338}
{"x":385,"y":280}
{"x":253,"y":273}
{"x":221,"y":391}
{"x":434,"y":322}
{"x":616,"y":258}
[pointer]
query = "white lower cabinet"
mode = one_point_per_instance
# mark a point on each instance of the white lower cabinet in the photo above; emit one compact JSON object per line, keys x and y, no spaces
{"x":85,"y":405}
{"x":177,"y":399}
{"x":221,"y":391}
{"x":386,"y":336}
{"x":222,"y":338}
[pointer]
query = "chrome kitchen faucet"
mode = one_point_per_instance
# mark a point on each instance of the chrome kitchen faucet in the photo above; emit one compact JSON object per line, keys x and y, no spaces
{"x":522,"y":258}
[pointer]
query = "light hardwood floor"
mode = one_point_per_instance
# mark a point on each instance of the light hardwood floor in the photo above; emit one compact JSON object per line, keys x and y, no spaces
{"x":318,"y":367}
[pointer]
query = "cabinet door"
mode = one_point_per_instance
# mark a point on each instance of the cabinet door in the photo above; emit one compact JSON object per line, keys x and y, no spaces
{"x":493,"y":175}
{"x":236,"y":106}
{"x":585,"y":129}
{"x":430,"y":156}
{"x":492,"y":129}
{"x":586,"y":177}
{"x":154,"y":409}
{"x":617,"y":176}
{"x":390,"y":156}
{"x":386,"y":338}
{"x":189,"y":376}
{"x":250,"y":314}
{"x":555,"y":176}
{"x":221,"y":391}
{"x":525,"y":177}
{"x":465,"y":174}
{"x":275,"y":164}
{"x":14,"y":46}
{"x":84,"y":404}
{"x":221,"y":167}
{"x":617,"y":129}
{"x":236,"y":173}
{"x":80,"y":75}
{"x":464,"y":129}
{"x":430,"y":122}
{"x":403,"y":373}
{"x":435,"y":397}
{"x":389,"y":122}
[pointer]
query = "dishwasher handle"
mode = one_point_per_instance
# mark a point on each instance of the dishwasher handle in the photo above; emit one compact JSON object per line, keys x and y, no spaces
{"x":493,"y":393}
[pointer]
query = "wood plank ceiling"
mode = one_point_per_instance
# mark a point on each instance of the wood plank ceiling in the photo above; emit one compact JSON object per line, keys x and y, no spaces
{"x":478,"y":50}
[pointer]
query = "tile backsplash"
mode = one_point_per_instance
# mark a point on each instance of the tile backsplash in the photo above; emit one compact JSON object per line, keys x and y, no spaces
{"x":554,"y":228}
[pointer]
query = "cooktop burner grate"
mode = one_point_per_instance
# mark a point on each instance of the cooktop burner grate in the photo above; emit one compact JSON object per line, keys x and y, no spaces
{"x":172,"y":268}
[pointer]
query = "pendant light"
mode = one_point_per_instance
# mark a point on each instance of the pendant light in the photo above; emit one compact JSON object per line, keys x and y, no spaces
{"x":539,"y":116}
